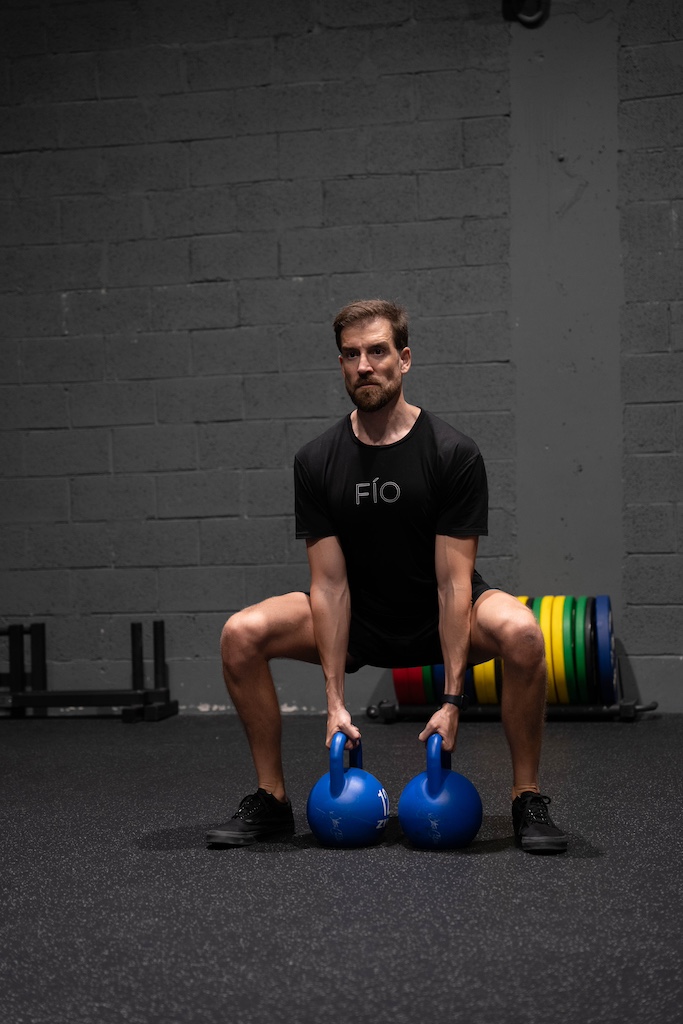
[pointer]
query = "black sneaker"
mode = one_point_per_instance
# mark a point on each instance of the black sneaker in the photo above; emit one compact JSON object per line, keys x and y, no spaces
{"x":259,"y":816}
{"x":535,"y":830}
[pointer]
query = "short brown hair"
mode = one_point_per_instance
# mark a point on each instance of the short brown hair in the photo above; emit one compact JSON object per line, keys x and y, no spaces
{"x":371,"y":309}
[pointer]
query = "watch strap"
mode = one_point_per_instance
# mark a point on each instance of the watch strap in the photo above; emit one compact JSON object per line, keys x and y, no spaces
{"x":460,"y":700}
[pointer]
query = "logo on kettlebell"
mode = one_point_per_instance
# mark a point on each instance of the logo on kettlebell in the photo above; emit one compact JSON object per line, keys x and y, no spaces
{"x":384,"y":797}
{"x":434,"y":834}
{"x":388,"y":492}
{"x":336,"y":828}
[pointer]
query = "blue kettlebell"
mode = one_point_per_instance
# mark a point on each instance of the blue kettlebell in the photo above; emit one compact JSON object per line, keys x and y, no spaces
{"x":347,"y":806}
{"x":439,"y":809}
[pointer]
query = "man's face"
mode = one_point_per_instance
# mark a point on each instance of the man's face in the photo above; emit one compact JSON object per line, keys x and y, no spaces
{"x":372,"y":367}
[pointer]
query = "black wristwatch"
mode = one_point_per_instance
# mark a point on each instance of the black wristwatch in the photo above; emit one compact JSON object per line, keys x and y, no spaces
{"x":461,"y":700}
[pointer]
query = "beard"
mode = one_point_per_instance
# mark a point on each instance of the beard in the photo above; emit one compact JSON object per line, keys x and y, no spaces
{"x":371,"y":399}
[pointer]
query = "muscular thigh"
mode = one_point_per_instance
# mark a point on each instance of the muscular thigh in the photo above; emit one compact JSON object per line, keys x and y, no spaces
{"x":283,"y":627}
{"x":494,"y":615}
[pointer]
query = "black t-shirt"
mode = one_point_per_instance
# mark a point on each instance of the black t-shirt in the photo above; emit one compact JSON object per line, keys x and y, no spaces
{"x":386,"y":504}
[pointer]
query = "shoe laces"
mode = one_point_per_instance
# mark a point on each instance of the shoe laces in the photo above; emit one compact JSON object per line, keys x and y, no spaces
{"x":536,"y":809}
{"x":248,"y":806}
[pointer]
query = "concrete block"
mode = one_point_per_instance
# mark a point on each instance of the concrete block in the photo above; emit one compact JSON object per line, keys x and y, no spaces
{"x":650,"y":528}
{"x":268,"y":492}
{"x":11,"y":168}
{"x":654,"y":579}
{"x":108,"y":591}
{"x":102,"y":217}
{"x":379,"y":200}
{"x":199,"y":495}
{"x":447,"y":95}
{"x":29,"y":221}
{"x":31,"y":316}
{"x":652,"y":378}
{"x":36,"y":592}
{"x":319,"y":393}
{"x":194,"y":636}
{"x":471,"y":192}
{"x":62,"y":360}
{"x":268,"y":581}
{"x":51,"y":268}
{"x":494,"y":433}
{"x":299,"y":432}
{"x":647,"y":227}
{"x":243,"y":541}
{"x":652,"y":629}
{"x":659,"y":679}
{"x":423,"y":46}
{"x":648,"y":476}
{"x":653,"y":70}
{"x":148,"y":356}
{"x":282,"y":300}
{"x":650,"y":175}
{"x":645,"y":124}
{"x":140,"y":71}
{"x":248,"y":445}
{"x":421,"y":146}
{"x":368,"y":101}
{"x":279,"y":204}
{"x":13,"y":554}
{"x":113,"y":498}
{"x":280,"y":108}
{"x":65,"y":452}
{"x":501,"y":572}
{"x":307,"y":347}
{"x":232,"y":351}
{"x":147,"y":263}
{"x":649,"y":428}
{"x":325,"y":250}
{"x":35,"y":501}
{"x":363,"y":12}
{"x":416,"y":246}
{"x":193,"y":307}
{"x":486,"y":140}
{"x":230,"y":64}
{"x":644,"y":23}
{"x":154,"y":543}
{"x":131,"y":169}
{"x":23,"y":32}
{"x":68,"y":546}
{"x":653,"y":276}
{"x":154,"y":449}
{"x":11,"y":368}
{"x":27,"y":128}
{"x":487,"y":240}
{"x":85,"y":27}
{"x":199,"y":400}
{"x":160,"y":23}
{"x":11,"y":456}
{"x":102,"y":123}
{"x":467,"y":388}
{"x":502,"y":536}
{"x":473,"y":338}
{"x":645,"y":327}
{"x":400,"y":286}
{"x":197,"y":211}
{"x":321,"y":154}
{"x":239,"y":255}
{"x":262,"y":18}
{"x":94,"y":405}
{"x":105,"y":311}
{"x":185,"y":117}
{"x":502,"y":483}
{"x":222,"y":161}
{"x":465,"y":289}
{"x":32,"y":407}
{"x":322,"y":56}
{"x":201,"y":589}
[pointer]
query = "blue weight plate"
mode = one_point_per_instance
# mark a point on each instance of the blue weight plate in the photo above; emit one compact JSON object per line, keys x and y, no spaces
{"x":438,"y":681}
{"x":469,"y":686}
{"x":605,"y":650}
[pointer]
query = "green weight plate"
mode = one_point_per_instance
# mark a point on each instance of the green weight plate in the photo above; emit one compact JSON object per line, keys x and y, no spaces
{"x":428,"y":683}
{"x":580,"y":649}
{"x":568,"y":618}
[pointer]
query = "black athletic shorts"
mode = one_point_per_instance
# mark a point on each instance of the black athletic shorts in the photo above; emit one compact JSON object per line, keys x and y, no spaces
{"x":410,"y":654}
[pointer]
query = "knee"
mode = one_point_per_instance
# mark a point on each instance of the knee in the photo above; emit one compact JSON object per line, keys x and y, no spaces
{"x":522,"y":640}
{"x":241,"y":638}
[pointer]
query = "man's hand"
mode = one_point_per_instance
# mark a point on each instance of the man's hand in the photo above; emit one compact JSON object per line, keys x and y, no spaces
{"x":340,"y":721}
{"x":445,"y":722}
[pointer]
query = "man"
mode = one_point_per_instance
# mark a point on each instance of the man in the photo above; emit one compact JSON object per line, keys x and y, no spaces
{"x":391,"y":502}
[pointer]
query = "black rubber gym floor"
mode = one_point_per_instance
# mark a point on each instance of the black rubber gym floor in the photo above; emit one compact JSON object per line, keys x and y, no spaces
{"x":113,"y":910}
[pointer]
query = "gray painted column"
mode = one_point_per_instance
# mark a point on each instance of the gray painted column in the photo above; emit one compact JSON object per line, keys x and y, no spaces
{"x":566,"y":296}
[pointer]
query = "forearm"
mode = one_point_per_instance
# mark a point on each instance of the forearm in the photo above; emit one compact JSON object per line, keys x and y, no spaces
{"x":455,"y":611}
{"x":331,"y":610}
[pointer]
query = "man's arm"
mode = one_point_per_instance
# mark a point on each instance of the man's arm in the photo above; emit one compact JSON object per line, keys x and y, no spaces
{"x":331,"y":610}
{"x":454,"y":560}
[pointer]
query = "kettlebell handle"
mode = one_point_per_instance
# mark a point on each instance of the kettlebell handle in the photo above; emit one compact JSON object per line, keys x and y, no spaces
{"x":437,"y":759}
{"x":337,"y":761}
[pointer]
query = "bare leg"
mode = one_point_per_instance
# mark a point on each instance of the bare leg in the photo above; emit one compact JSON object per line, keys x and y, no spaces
{"x":280,"y":627}
{"x":502,"y":627}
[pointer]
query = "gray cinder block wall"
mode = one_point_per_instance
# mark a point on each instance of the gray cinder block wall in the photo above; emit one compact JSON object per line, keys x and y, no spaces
{"x":188,"y":193}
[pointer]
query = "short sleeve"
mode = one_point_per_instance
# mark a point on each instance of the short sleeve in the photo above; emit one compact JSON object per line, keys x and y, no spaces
{"x":464,"y":502}
{"x":312,"y":515}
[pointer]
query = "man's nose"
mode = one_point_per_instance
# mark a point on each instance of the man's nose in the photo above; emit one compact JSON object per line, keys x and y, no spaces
{"x":364,"y":365}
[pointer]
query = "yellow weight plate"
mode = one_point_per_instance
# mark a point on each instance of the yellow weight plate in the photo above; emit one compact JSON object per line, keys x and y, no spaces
{"x":557,"y":631}
{"x":545,"y":620}
{"x":485,"y":682}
